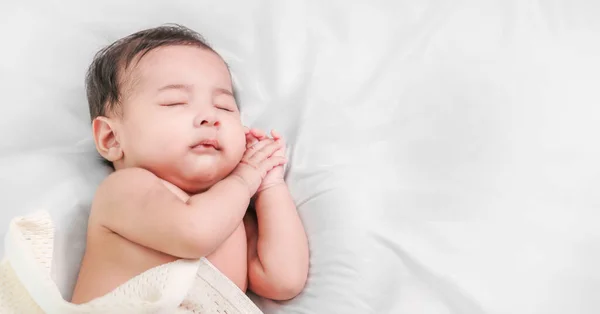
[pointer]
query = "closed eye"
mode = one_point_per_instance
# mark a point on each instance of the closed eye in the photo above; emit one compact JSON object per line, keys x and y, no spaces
{"x":224,"y":108}
{"x":173,"y":104}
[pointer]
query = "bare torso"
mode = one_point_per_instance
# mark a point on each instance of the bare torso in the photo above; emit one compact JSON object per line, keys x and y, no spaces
{"x":110,"y":260}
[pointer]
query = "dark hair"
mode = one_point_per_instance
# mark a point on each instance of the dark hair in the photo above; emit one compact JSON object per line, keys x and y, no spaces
{"x":104,"y":80}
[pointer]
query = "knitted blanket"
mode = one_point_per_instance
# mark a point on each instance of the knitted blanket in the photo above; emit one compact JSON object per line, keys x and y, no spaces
{"x":182,"y":286}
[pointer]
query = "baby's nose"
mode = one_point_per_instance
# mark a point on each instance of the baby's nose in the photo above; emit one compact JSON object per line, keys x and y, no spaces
{"x":207,"y":122}
{"x":206,"y":119}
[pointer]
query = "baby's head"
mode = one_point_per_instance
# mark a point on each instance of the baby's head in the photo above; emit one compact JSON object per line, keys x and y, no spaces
{"x":162,"y":99}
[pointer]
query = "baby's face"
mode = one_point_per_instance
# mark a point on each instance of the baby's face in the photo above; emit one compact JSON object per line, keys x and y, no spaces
{"x":180,"y":119}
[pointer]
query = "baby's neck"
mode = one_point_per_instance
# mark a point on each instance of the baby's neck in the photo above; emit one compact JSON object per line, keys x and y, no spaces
{"x":177,"y":191}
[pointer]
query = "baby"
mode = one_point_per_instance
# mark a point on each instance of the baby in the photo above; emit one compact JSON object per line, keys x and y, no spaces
{"x":164,"y":115}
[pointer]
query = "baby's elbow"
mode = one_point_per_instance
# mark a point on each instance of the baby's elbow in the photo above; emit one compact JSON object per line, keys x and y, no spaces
{"x":193,"y":244}
{"x":290,"y":286}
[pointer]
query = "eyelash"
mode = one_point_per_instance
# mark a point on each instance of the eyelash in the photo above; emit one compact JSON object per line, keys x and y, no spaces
{"x":222,"y":108}
{"x":181,"y":103}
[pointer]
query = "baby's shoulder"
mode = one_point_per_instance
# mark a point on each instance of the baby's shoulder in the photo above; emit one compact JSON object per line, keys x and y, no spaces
{"x":125,"y":184}
{"x":130,"y":184}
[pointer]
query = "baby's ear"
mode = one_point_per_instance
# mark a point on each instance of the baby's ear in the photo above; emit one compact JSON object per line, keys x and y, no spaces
{"x":106,"y":140}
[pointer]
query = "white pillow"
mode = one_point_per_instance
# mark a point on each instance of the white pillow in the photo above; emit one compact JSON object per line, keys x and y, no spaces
{"x":443,"y":154}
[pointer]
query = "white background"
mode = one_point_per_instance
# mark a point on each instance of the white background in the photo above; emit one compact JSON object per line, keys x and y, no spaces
{"x":444,"y":154}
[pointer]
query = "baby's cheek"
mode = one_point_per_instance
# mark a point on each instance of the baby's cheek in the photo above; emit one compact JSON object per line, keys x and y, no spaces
{"x":240,"y":144}
{"x":161,"y":146}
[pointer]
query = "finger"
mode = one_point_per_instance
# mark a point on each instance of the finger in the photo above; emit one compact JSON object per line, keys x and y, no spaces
{"x":251,"y":140}
{"x":280,"y":152}
{"x":266,"y":151}
{"x":257,"y":147}
{"x":280,"y":140}
{"x":250,"y":136}
{"x":273,"y":162}
{"x":276,"y":135}
{"x":246,"y":130}
{"x":258,"y":133}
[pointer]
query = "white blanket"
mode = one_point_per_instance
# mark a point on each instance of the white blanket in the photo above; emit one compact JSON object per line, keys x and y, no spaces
{"x":183,"y":286}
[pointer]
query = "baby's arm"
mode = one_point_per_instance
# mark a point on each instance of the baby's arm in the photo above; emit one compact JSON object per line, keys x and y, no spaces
{"x":135,"y":204}
{"x":278,"y":249}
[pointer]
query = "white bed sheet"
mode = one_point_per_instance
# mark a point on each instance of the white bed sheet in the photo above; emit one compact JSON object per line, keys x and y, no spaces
{"x":444,"y":155}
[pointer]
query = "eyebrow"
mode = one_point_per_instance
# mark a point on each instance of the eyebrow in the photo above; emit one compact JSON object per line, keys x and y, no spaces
{"x":220,"y":91}
{"x":186,"y":87}
{"x":176,"y":86}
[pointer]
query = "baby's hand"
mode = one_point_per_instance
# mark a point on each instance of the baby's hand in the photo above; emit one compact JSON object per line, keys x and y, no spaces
{"x":258,"y":160}
{"x":275,"y":175}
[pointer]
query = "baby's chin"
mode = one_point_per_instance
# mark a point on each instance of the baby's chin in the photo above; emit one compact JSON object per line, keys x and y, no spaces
{"x":200,"y":177}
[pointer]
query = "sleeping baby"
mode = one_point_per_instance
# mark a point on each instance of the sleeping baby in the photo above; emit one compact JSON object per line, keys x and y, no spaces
{"x":186,"y":170}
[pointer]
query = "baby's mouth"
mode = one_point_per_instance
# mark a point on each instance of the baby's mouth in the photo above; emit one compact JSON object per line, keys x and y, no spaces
{"x":206,"y":144}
